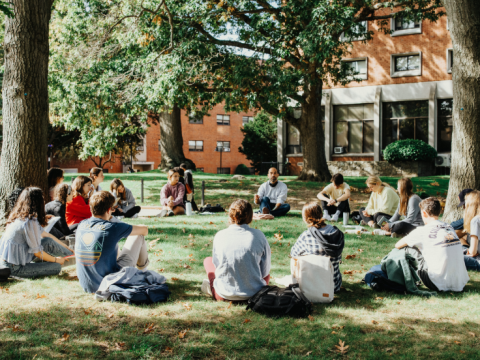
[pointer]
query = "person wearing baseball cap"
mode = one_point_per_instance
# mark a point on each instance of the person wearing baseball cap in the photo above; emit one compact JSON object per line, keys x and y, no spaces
{"x":458,"y":224}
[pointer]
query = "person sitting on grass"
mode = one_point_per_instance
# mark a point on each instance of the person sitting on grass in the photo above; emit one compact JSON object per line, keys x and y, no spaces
{"x":61,"y":196}
{"x":124,"y":199}
{"x":408,"y":207}
{"x":437,"y":249}
{"x":97,"y":176}
{"x":55,"y":177}
{"x":334,"y":198}
{"x":320,"y":239}
{"x":458,"y":224}
{"x":78,"y":209}
{"x":272,"y":196}
{"x":171,"y":196}
{"x":240,"y":262}
{"x":189,"y":186}
{"x":472,"y":228}
{"x":382,"y":203}
{"x":25,"y":239}
{"x":96,"y":244}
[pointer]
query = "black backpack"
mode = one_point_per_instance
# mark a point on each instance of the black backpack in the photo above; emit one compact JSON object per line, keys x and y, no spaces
{"x":4,"y":274}
{"x":213,"y":209}
{"x":275,"y":301}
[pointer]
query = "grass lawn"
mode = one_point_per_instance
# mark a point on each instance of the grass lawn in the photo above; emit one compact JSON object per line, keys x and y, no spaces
{"x":53,"y":318}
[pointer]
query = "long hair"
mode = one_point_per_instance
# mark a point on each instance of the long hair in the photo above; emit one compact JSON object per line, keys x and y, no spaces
{"x":114,"y":185}
{"x":30,"y":204}
{"x":13,"y":197}
{"x":313,"y":215}
{"x":405,"y":187}
{"x":61,"y":192}
{"x":53,"y":175}
{"x":78,"y":184}
{"x":375,"y":180}
{"x":95,"y":172}
{"x":472,"y":208}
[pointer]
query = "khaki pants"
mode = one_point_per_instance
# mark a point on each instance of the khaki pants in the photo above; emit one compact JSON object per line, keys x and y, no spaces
{"x":134,"y":253}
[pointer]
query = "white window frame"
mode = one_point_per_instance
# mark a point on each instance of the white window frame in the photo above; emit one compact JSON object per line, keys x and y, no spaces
{"x":395,"y":74}
{"x":248,"y":118}
{"x":449,"y":60}
{"x":196,"y":150}
{"x":223,"y":145}
{"x":224,"y":118}
{"x":358,"y":76}
{"x":344,"y":38}
{"x":405,"y":31}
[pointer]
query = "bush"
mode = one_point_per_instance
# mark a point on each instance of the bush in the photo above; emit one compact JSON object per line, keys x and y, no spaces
{"x":242,"y":170}
{"x":409,"y":150}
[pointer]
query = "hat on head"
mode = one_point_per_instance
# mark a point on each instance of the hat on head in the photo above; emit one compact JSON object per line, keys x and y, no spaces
{"x":461,"y":196}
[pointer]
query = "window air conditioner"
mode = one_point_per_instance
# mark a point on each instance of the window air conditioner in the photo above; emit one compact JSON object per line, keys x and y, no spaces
{"x":443,"y":160}
{"x":339,"y":150}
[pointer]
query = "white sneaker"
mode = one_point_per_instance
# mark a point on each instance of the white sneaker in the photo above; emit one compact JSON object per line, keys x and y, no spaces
{"x":206,"y":289}
{"x":135,"y":216}
{"x":335,"y":218}
{"x":327,"y":217}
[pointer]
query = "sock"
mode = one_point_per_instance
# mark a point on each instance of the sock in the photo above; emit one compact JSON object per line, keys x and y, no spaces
{"x":335,"y":217}
{"x":325,"y":215}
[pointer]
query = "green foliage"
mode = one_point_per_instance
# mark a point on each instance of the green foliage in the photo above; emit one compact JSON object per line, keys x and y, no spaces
{"x":242,"y":169}
{"x":409,"y":150}
{"x":7,"y":9}
{"x":259,"y":143}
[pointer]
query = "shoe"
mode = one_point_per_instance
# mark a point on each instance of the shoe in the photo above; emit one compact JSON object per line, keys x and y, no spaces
{"x":206,"y":289}
{"x":334,"y":218}
{"x":397,"y":235}
{"x":135,"y":216}
{"x":363,"y":223}
{"x":170,"y":213}
{"x":327,"y":217}
{"x":163,"y":213}
{"x":265,"y":211}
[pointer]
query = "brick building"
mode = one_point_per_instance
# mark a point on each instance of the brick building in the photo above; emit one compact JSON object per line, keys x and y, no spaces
{"x":406,"y":93}
{"x":201,"y":137}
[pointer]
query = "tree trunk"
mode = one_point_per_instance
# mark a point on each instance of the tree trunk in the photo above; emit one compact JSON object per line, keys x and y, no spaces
{"x":171,"y":140}
{"x":25,"y":99}
{"x":464,"y":19}
{"x":315,"y":166}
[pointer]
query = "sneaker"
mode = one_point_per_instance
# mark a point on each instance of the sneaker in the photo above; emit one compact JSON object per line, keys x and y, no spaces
{"x":335,"y":218}
{"x":327,"y":217}
{"x":397,"y":235}
{"x":170,"y":213}
{"x":135,"y":216}
{"x":206,"y":289}
{"x":163,"y":213}
{"x":265,"y":211}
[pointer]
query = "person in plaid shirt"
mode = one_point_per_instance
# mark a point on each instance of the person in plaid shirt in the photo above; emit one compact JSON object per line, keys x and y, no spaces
{"x":320,"y":239}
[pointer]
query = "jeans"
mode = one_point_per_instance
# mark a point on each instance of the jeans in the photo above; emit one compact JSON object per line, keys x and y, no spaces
{"x":376,"y":217}
{"x":37,"y":269}
{"x":343,"y":206}
{"x":458,"y":224}
{"x":402,"y":228}
{"x":281,"y":211}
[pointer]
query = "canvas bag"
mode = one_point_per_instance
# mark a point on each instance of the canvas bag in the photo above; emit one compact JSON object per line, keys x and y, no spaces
{"x":314,"y":274}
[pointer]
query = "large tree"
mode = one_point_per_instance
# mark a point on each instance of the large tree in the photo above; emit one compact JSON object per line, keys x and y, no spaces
{"x":278,"y":55}
{"x":25,"y":98}
{"x":464,"y":24}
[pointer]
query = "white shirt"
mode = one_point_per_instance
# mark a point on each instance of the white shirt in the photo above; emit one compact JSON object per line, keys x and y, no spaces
{"x":277,"y":194}
{"x":443,"y":255}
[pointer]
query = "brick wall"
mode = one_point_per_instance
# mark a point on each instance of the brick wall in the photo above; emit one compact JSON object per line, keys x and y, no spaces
{"x":85,"y":166}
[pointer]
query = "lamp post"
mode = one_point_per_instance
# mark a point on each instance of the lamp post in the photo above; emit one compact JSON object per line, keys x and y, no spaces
{"x":220,"y":149}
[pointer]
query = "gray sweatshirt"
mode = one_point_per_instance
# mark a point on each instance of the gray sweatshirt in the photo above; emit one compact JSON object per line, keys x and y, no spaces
{"x":129,"y":201}
{"x":414,"y":215}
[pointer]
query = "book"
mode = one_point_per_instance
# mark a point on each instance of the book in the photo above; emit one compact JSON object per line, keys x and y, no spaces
{"x":51,"y":223}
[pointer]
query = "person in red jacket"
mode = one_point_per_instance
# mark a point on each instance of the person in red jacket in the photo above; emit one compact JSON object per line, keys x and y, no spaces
{"x":78,"y":209}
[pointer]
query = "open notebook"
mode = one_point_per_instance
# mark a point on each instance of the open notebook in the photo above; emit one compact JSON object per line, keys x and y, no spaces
{"x":51,"y":223}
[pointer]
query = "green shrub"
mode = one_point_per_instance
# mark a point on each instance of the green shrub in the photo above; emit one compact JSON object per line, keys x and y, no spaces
{"x":409,"y":150}
{"x":242,"y":170}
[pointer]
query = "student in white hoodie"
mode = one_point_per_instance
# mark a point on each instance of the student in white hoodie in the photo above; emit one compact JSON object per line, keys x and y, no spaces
{"x":272,"y":196}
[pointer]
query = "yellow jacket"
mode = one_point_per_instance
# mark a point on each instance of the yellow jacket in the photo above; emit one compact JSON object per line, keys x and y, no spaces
{"x":384,"y":202}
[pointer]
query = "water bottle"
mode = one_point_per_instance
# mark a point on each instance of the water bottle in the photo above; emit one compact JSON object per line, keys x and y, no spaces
{"x":188,"y":208}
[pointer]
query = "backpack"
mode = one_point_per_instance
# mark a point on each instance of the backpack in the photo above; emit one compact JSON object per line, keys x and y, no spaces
{"x":139,"y":295}
{"x":378,"y":280}
{"x":275,"y":301}
{"x":4,"y":274}
{"x":314,"y":275}
{"x":213,"y":209}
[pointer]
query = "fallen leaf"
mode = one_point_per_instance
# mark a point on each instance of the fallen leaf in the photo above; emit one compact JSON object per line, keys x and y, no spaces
{"x":229,"y":305}
{"x":342,"y":349}
{"x":308,"y":353}
{"x":458,"y":342}
{"x":187,"y":306}
{"x":350,"y":257}
{"x":168,"y":349}
{"x":149,"y":328}
{"x":16,"y":328}
{"x":472,"y":333}
{"x":120,"y":346}
{"x":211,"y":223}
{"x":87,"y":311}
{"x":182,"y":334}
{"x":174,"y":279}
{"x":246,"y":321}
{"x":348,"y":272}
{"x":358,"y":301}
{"x":65,"y":337}
{"x":161,"y":270}
{"x":360,"y":250}
{"x":190,"y":255}
{"x":387,"y":350}
{"x":334,"y":332}
{"x":311,"y":318}
{"x":40,"y":296}
{"x":187,"y":266}
{"x":435,"y":183}
{"x":110,"y":316}
{"x":183,"y":230}
{"x":374,"y":322}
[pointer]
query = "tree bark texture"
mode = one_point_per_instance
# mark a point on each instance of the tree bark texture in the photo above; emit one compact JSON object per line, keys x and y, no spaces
{"x":171,"y":140}
{"x":464,"y":20}
{"x":315,"y":166}
{"x":25,"y":99}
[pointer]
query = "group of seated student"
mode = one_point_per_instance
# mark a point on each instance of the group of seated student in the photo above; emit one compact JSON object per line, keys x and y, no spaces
{"x":124,"y":200}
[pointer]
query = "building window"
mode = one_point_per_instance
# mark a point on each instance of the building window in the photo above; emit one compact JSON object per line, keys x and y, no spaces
{"x":159,"y":145}
{"x":409,"y":64}
{"x":353,"y":128}
{"x":294,"y":143}
{"x":449,"y":60}
{"x":223,"y":170}
{"x":140,"y":146}
{"x":445,"y":125}
{"x":224,"y":144}
{"x":357,"y":68}
{"x":401,"y":26}
{"x":200,"y":169}
{"x":195,"y":145}
{"x":193,"y":119}
{"x":223,"y":119}
{"x":247,"y":119}
{"x":356,"y":33}
{"x":404,"y":120}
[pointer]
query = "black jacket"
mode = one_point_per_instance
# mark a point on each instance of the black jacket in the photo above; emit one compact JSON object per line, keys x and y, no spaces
{"x":56,"y":208}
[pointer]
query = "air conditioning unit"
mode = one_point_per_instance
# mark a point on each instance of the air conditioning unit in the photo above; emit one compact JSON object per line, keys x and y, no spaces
{"x":443,"y":160}
{"x":339,"y":150}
